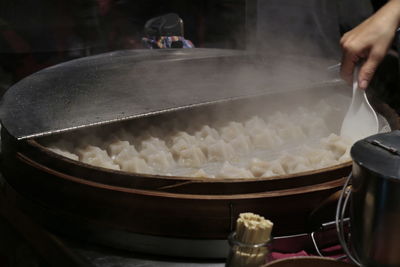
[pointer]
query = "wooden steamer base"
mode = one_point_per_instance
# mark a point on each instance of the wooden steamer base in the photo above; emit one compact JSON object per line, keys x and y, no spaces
{"x":172,"y":216}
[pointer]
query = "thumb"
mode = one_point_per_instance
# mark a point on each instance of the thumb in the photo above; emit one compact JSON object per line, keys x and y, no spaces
{"x":368,"y":69}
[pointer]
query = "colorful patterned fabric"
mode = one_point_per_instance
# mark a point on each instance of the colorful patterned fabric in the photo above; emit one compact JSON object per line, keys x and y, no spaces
{"x":167,"y":42}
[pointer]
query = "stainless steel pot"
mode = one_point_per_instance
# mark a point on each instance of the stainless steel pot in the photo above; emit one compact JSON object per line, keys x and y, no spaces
{"x":374,"y":201}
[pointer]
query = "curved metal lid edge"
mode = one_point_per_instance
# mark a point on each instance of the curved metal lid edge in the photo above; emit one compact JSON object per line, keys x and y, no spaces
{"x":130,"y":84}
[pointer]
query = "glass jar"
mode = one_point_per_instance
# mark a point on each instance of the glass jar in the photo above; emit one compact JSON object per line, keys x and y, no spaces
{"x":244,"y":254}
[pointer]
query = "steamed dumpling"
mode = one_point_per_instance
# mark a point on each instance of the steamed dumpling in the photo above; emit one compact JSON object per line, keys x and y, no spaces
{"x":187,"y":146}
{"x":162,"y":160}
{"x":241,"y":144}
{"x":97,"y":157}
{"x":182,"y":141}
{"x":266,"y":139}
{"x":191,"y":157}
{"x":258,"y":167}
{"x":116,"y":146}
{"x":301,"y":167}
{"x":337,"y":144}
{"x":265,"y":168}
{"x":152,"y":146}
{"x":205,"y":132}
{"x":319,"y":158}
{"x":136,"y":165}
{"x":220,"y":151}
{"x":206,"y":143}
{"x":125,"y":154}
{"x":293,"y":163}
{"x":232,"y":130}
{"x":230,"y":171}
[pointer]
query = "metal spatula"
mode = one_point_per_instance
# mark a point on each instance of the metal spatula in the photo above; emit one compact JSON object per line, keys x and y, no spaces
{"x":360,"y":120}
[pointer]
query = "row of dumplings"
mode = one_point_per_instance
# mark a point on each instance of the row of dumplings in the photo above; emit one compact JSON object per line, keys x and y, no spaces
{"x":168,"y":150}
{"x":330,"y":151}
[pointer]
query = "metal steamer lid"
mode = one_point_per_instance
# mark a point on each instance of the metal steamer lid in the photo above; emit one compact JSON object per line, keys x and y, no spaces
{"x":130,"y":84}
{"x":379,"y":153}
{"x":101,"y":89}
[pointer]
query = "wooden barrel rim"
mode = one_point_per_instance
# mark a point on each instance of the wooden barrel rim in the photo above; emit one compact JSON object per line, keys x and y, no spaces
{"x":281,"y":193}
{"x":43,"y":149}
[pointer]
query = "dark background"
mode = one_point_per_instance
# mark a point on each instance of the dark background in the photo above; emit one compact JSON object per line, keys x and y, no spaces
{"x":54,"y":30}
{"x":38,"y":33}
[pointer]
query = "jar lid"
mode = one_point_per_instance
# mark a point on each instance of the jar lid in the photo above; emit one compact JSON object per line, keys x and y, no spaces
{"x":379,"y":153}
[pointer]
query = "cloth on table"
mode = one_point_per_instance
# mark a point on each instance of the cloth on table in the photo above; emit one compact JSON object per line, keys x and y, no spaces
{"x":167,"y":42}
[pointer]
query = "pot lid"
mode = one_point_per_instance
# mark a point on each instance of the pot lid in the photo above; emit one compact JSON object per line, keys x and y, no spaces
{"x":379,"y":153}
{"x":129,"y":84}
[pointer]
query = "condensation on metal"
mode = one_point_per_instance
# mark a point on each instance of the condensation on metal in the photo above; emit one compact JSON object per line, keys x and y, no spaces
{"x":130,"y":84}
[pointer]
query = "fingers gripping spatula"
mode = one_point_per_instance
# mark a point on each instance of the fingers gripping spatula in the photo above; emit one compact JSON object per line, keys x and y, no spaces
{"x":360,"y":120}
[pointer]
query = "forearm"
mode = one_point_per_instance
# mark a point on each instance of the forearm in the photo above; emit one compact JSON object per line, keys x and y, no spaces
{"x":390,"y":12}
{"x":369,"y":43}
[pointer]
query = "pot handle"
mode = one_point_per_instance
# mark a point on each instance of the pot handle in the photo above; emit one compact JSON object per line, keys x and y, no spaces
{"x":319,"y":225}
{"x":325,"y":227}
{"x":339,"y":219}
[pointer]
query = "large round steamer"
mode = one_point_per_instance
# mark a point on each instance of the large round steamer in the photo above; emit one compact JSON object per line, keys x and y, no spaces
{"x":117,"y":208}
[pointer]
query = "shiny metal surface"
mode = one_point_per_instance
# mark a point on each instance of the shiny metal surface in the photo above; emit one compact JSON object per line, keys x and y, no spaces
{"x":134,"y":83}
{"x":375,"y":201}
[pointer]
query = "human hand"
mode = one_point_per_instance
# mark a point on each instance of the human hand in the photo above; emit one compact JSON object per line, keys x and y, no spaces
{"x":369,"y":42}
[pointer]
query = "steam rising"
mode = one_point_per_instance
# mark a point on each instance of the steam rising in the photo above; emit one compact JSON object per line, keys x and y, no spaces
{"x":212,"y":88}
